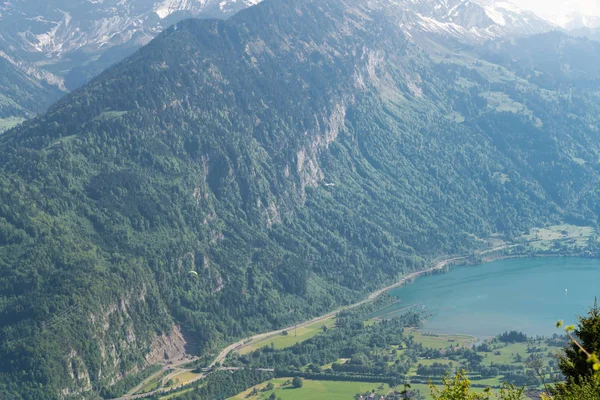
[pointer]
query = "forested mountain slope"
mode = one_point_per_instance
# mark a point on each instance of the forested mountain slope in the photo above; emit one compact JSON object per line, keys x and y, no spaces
{"x":22,"y":95}
{"x":552,"y":60}
{"x":295,"y":156}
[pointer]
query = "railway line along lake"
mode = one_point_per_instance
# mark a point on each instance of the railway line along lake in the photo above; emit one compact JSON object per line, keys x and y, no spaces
{"x":524,"y":294}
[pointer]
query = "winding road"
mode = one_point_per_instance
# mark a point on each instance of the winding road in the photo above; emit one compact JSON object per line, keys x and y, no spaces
{"x":437,"y":265}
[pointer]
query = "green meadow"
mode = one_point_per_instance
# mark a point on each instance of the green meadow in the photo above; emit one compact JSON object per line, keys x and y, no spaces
{"x":314,"y":390}
{"x":438,"y":341}
{"x":293,"y":336}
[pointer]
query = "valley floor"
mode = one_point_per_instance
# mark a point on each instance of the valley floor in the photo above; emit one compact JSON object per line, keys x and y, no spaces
{"x":542,"y":240}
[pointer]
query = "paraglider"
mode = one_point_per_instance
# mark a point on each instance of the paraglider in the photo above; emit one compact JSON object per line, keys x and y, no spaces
{"x":193,"y":273}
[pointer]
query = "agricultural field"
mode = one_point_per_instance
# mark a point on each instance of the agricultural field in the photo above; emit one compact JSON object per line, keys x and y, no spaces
{"x":177,"y":394}
{"x":182,"y":378}
{"x":542,"y":239}
{"x":439,"y":341}
{"x":152,"y":384}
{"x":314,"y":390}
{"x":327,"y":390}
{"x":293,"y":336}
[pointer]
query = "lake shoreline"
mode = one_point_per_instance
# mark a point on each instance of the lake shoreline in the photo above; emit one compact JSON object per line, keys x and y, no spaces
{"x":521,"y":295}
{"x":435,"y":266}
{"x":440,"y":264}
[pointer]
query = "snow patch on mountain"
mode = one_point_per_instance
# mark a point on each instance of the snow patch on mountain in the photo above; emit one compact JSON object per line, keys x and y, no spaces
{"x":469,"y":21}
{"x":504,"y":5}
{"x":167,"y":7}
{"x":578,"y":20}
{"x":47,"y":32}
{"x":495,"y":16}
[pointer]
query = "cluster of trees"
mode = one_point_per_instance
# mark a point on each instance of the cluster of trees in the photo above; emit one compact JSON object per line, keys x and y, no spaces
{"x":513,"y":337}
{"x":436,"y":369}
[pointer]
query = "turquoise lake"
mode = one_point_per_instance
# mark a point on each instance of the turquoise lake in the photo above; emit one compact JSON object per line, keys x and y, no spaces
{"x":522,"y":294}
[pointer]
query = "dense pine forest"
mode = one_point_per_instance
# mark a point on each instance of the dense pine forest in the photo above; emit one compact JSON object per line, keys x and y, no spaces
{"x":295,"y":157}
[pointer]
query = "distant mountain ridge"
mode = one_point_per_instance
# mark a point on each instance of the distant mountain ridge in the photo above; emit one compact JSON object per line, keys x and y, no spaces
{"x":59,"y":34}
{"x":47,"y":30}
{"x":65,"y":43}
{"x":61,"y":44}
{"x":579,"y":24}
{"x":471,"y":21}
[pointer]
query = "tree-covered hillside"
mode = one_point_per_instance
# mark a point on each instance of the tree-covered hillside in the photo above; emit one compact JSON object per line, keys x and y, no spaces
{"x":295,"y":156}
{"x":22,"y":95}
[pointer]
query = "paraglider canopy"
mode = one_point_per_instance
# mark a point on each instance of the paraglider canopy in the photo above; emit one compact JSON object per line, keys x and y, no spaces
{"x":193,"y":273}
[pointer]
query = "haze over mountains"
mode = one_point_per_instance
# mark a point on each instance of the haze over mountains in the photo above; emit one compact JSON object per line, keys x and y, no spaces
{"x":295,"y":156}
{"x":59,"y":32}
{"x":582,"y":25}
{"x":66,"y":43}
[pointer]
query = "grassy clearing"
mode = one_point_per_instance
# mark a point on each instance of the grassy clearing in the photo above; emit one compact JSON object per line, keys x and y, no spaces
{"x":491,"y":72}
{"x":10,"y":122}
{"x":183,"y":378}
{"x":456,"y":117}
{"x":442,"y":341}
{"x":110,"y":115}
{"x":507,"y":354}
{"x":153,"y":384}
{"x":61,"y":141}
{"x":327,"y":390}
{"x":314,"y":390}
{"x":175,"y":395}
{"x":283,"y":341}
{"x":500,"y":177}
{"x":543,"y":238}
{"x":501,"y":102}
{"x":339,"y":361}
